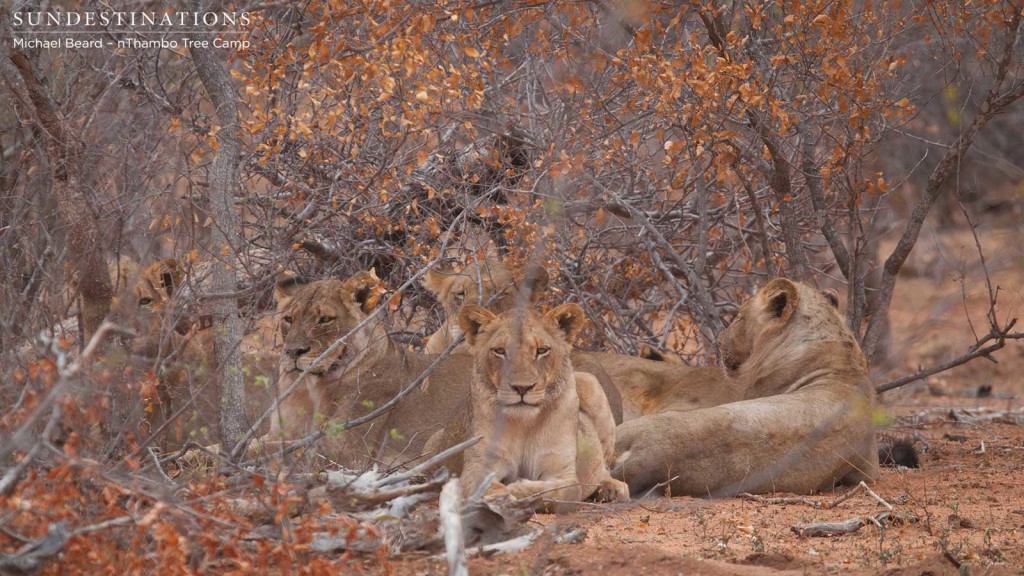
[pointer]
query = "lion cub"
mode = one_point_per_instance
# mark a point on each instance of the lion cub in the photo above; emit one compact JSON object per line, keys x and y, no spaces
{"x":547,"y":429}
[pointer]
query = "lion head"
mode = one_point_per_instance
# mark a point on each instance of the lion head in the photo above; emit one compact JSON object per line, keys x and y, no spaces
{"x":780,"y":326}
{"x":145,"y":299}
{"x":491,"y":285}
{"x":522,"y":355}
{"x":329,"y":318}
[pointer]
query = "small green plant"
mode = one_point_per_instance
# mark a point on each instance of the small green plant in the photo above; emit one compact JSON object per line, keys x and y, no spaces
{"x":334,"y":429}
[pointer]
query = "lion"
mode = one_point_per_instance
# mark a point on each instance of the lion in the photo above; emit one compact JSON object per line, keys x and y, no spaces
{"x":487,"y":282}
{"x":806,"y":422}
{"x":349,"y":367}
{"x":547,"y":429}
{"x":634,"y":386}
{"x":176,"y":346}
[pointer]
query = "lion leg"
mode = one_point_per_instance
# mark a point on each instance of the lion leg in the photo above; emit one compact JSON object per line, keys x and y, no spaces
{"x":798,"y":442}
{"x":564,"y":489}
{"x":594,"y":404}
{"x":592,"y":467}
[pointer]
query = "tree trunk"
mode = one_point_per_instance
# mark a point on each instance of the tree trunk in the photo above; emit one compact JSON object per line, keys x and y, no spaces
{"x":64,"y":151}
{"x":224,"y":242}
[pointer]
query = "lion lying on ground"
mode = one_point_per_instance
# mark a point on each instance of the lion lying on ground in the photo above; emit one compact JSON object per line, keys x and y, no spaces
{"x":177,"y":347}
{"x":634,"y":386}
{"x":362,"y":373}
{"x":547,"y":430}
{"x":806,"y":426}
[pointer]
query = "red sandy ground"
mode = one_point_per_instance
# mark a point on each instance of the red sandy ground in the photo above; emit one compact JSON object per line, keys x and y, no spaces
{"x":969,"y":502}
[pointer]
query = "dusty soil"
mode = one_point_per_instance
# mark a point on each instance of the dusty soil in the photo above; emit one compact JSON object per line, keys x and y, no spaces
{"x":966,"y":498}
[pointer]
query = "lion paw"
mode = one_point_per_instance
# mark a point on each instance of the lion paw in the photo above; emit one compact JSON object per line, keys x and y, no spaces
{"x":612,"y":490}
{"x":497,"y":490}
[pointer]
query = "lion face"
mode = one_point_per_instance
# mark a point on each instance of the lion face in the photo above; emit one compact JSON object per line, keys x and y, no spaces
{"x":145,"y":299}
{"x":315,"y":316}
{"x":491,"y":285}
{"x":522,"y":355}
{"x":488,"y":285}
{"x":777,"y":307}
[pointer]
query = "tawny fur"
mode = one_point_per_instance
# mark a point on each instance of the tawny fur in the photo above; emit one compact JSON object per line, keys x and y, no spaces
{"x":634,"y":386}
{"x":806,"y":423}
{"x":361,"y":374}
{"x":187,"y":390}
{"x":547,"y":429}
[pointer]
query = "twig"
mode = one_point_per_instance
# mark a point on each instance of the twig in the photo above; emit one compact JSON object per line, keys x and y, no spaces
{"x":978,"y":349}
{"x":426,"y":466}
{"x":839,"y":500}
{"x":952,"y":559}
{"x":824,"y":529}
{"x":451,"y":526}
{"x":875,"y":496}
{"x":31,"y":557}
{"x":10,"y":479}
{"x":156,"y":462}
{"x":780,"y":500}
{"x":659,"y":485}
{"x":806,"y":501}
{"x":507,"y":547}
{"x":380,"y":496}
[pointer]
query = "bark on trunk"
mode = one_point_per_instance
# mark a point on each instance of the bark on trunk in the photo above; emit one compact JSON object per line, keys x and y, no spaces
{"x":224,"y":242}
{"x":64,"y":155}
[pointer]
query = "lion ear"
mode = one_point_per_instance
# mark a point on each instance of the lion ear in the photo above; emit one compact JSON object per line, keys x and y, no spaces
{"x":472,"y":319}
{"x":433,"y":282}
{"x":781,"y":298}
{"x":171,"y":274}
{"x":535,"y":282}
{"x":287,"y":285}
{"x":362,"y":286}
{"x":569,"y":319}
{"x":832,"y":295}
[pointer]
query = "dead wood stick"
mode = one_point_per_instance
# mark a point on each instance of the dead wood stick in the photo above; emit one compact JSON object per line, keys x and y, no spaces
{"x":822,"y":529}
{"x":840,"y":499}
{"x":428,"y":465}
{"x":13,"y":476}
{"x":781,"y":500}
{"x":449,"y":508}
{"x":876,"y":496}
{"x":807,"y":501}
{"x":516,"y":544}
{"x":381,"y":496}
{"x":31,"y":557}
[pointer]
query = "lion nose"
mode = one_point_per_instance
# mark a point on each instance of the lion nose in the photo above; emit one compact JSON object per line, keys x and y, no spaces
{"x":296,"y":352}
{"x":522,"y":390}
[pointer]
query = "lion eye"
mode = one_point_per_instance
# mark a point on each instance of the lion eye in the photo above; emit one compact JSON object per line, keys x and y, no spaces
{"x":287,"y":319}
{"x":145,"y":301}
{"x":542,"y":352}
{"x":325,"y":320}
{"x":460,"y":296}
{"x":499,"y":352}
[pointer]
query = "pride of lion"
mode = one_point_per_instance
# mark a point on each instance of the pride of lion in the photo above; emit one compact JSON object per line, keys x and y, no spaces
{"x":792,"y":410}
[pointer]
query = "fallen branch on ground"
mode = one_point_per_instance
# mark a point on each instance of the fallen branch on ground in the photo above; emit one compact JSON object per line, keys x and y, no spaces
{"x":826,"y":529}
{"x":451,"y":527}
{"x":809,"y":502}
{"x":964,"y":416}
